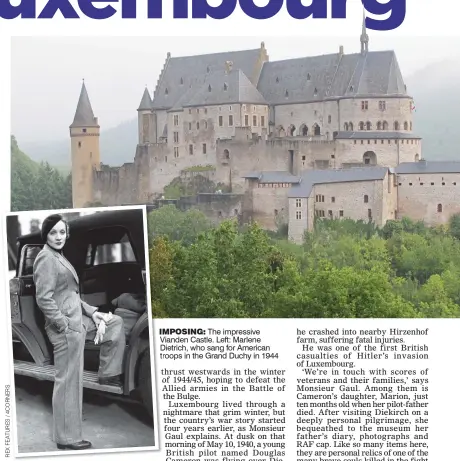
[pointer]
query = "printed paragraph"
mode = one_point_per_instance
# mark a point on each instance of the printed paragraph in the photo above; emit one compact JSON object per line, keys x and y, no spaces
{"x":222,"y":412}
{"x":362,"y":395}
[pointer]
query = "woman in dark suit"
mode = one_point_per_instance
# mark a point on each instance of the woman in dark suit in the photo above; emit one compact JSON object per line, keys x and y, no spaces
{"x":69,"y":321}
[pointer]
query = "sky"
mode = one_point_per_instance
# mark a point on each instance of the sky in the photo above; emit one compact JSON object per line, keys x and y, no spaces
{"x":47,"y":72}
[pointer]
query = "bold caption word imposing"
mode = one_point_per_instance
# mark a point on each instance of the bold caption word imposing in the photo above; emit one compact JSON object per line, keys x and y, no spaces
{"x":200,"y":9}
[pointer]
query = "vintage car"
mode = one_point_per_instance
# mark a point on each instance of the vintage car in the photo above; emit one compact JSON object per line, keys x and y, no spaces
{"x":107,"y":250}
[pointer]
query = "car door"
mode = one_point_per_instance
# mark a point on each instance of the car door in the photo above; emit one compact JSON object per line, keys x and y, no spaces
{"x":28,"y":322}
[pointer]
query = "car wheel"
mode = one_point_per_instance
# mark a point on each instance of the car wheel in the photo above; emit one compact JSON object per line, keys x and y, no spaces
{"x":145,"y":382}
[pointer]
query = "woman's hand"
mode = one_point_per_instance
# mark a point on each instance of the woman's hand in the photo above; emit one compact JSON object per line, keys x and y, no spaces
{"x":97,"y":317}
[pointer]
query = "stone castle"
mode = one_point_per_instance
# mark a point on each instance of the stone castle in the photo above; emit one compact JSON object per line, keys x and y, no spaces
{"x":326,"y":136}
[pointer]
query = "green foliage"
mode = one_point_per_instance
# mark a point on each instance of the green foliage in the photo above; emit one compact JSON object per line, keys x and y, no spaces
{"x":197,"y":184}
{"x":344,"y":269}
{"x":37,"y":186}
{"x":170,"y":222}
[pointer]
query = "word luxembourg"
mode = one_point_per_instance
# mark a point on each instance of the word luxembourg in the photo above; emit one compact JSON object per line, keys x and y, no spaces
{"x":201,"y":9}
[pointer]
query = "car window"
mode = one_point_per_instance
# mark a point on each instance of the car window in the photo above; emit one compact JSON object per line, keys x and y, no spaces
{"x":121,"y":251}
{"x":30,"y":252}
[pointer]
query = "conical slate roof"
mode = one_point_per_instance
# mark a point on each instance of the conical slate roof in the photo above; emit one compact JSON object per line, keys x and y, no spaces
{"x":146,"y":101}
{"x":84,"y":116}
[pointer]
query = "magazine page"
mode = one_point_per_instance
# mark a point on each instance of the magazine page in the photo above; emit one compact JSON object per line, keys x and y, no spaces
{"x":231,"y":242}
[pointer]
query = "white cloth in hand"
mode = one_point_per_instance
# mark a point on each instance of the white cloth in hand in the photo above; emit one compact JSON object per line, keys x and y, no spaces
{"x":101,"y":328}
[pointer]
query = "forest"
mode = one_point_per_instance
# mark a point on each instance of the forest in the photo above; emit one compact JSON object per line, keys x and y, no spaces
{"x":37,"y":186}
{"x":344,"y":269}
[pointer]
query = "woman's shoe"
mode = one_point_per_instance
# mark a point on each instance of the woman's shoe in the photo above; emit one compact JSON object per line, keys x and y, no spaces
{"x":81,"y":445}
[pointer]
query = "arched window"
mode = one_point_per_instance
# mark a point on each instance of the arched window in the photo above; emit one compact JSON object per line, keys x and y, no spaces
{"x":286,"y":94}
{"x":439,"y":208}
{"x":316,"y":130}
{"x":379,"y":126}
{"x":385,"y":126}
{"x":368,"y":126}
{"x":226,"y":154}
{"x":406,"y":126}
{"x":303,"y":131}
{"x":417,"y":157}
{"x":410,"y":126}
{"x":351,"y":126}
{"x":345,"y":126}
{"x":361,"y":126}
{"x":396,"y":125}
{"x":291,"y":130}
{"x":369,"y":158}
{"x":366,"y":199}
{"x":209,"y":88}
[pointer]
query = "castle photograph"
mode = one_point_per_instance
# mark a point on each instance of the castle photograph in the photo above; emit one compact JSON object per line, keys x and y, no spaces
{"x":328,"y":136}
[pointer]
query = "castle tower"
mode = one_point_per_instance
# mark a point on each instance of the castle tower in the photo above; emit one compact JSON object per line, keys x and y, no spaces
{"x":364,"y":37}
{"x":146,"y":120}
{"x":84,"y":136}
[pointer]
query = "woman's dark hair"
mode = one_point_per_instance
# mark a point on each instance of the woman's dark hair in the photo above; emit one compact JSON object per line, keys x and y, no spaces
{"x":50,"y":222}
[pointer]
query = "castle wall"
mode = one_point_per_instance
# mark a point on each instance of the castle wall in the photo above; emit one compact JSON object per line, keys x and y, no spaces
{"x":116,"y":186}
{"x":388,"y":152}
{"x":396,"y":109}
{"x":420,"y":194}
{"x":298,"y":224}
{"x":270,"y":205}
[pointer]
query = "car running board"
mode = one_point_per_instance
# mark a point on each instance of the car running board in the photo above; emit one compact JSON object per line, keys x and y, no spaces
{"x":46,"y":373}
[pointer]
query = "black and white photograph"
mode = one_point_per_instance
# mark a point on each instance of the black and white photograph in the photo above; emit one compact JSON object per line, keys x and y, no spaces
{"x":81,"y":329}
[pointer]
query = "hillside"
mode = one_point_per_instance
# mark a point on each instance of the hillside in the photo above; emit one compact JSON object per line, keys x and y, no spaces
{"x":437,"y":99}
{"x":37,"y":186}
{"x":434,"y":88}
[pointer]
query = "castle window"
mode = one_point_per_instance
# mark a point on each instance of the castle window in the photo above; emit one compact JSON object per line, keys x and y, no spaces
{"x":362,"y":141}
{"x":385,"y":126}
{"x":368,"y":141}
{"x":454,"y":183}
{"x":254,"y":120}
{"x":375,"y":141}
{"x":190,"y":149}
{"x":276,"y":212}
{"x":205,"y":111}
{"x":369,"y":213}
{"x":246,"y":120}
{"x":176,"y":152}
{"x":439,"y":208}
{"x":181,"y":81}
{"x":198,"y":111}
{"x":443,"y":183}
{"x":176,"y":120}
{"x":197,"y":125}
{"x":315,"y":93}
{"x":190,"y":126}
{"x":225,"y":87}
{"x":355,"y":141}
{"x":298,"y":215}
{"x":166,"y":158}
{"x":410,"y":126}
{"x":368,"y":126}
{"x":209,"y":88}
{"x":84,"y":130}
{"x":364,"y":105}
{"x":432,"y":183}
{"x":379,"y":126}
{"x":230,"y":120}
{"x":262,"y":120}
{"x":308,"y":77}
{"x":298,"y":203}
{"x":220,"y":108}
{"x":207,"y":69}
{"x":226,"y":154}
{"x":329,"y":212}
{"x":286,"y":94}
{"x":396,"y":125}
{"x":79,"y":143}
{"x":254,"y":108}
{"x":366,"y":199}
{"x":244,"y":106}
{"x":329,"y":119}
{"x":190,"y":111}
{"x":220,"y":214}
{"x":277,"y":80}
{"x":341,"y":213}
{"x":204,"y":148}
{"x":345,"y":126}
{"x":361,"y":126}
{"x":406,"y":126}
{"x":352,"y":88}
{"x":221,"y":120}
{"x":230,"y":108}
{"x":382,"y":105}
{"x":332,"y":199}
{"x":351,"y":126}
{"x":304,"y":157}
{"x":166,"y":92}
{"x":176,"y":136}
